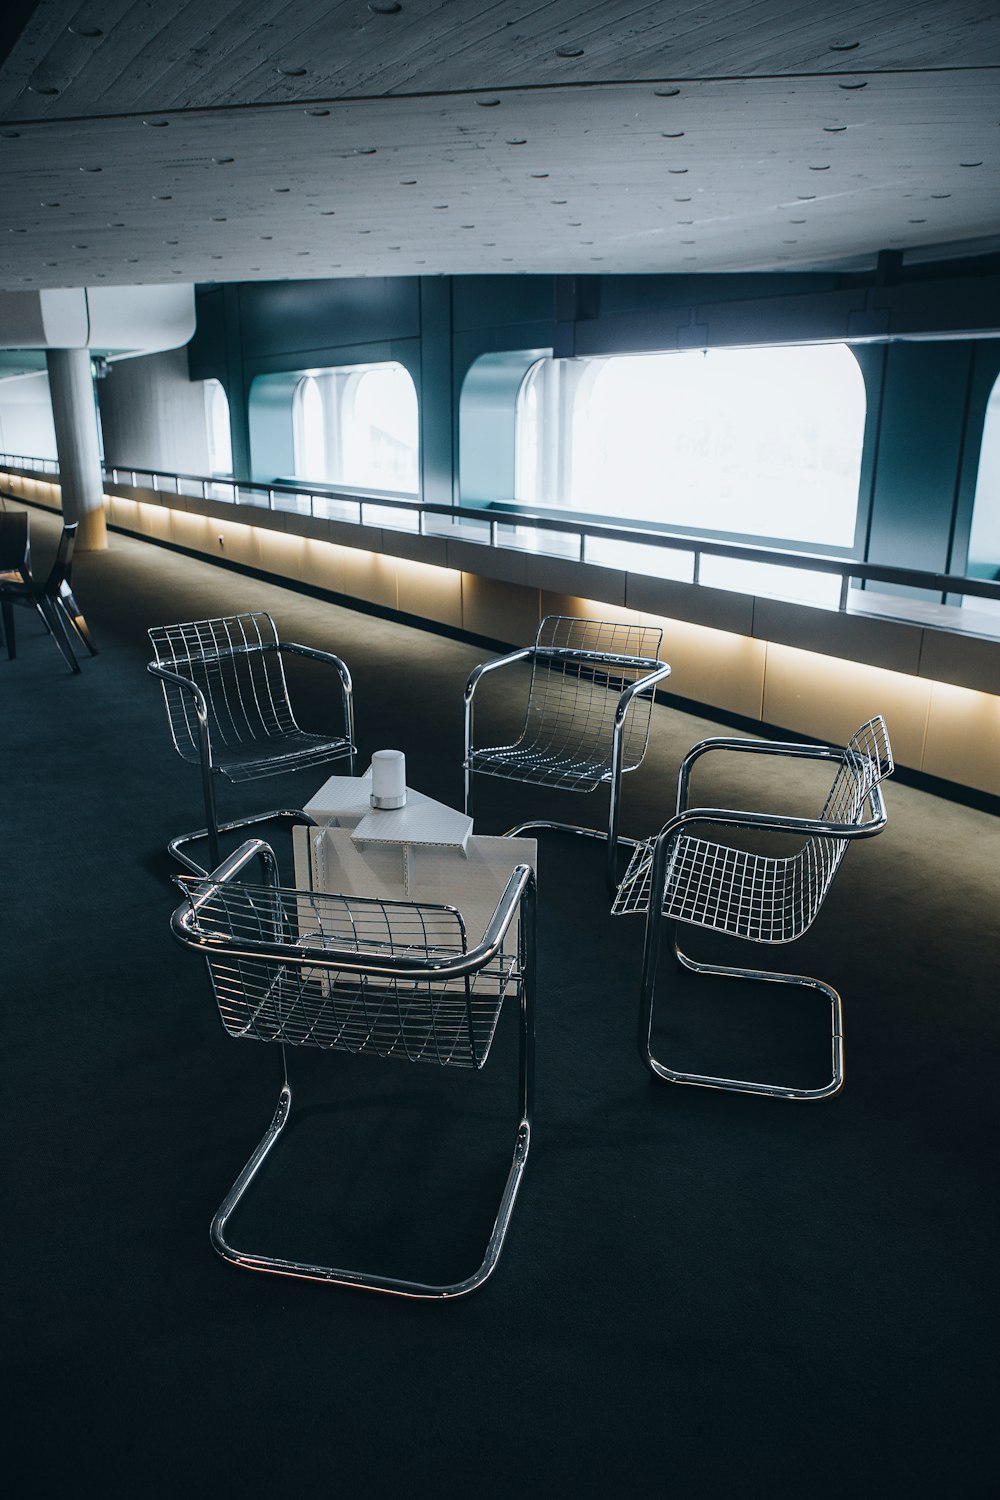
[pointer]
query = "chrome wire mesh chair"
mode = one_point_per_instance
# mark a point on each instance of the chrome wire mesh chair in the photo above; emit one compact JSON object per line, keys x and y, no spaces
{"x":747,"y":894}
{"x":229,"y":712}
{"x":393,"y":979}
{"x":53,"y":598}
{"x":587,"y":717}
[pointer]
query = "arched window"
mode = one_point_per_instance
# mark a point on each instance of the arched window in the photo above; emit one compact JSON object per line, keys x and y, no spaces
{"x":762,"y":442}
{"x":220,"y":441}
{"x":357,"y":426}
{"x":984,"y":540}
{"x":309,"y":427}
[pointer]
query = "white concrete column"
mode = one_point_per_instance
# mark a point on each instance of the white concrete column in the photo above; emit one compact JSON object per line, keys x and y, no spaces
{"x":71,"y":387}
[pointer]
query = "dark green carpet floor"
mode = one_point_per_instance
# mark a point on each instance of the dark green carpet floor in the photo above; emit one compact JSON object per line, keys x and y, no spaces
{"x":701,"y":1295}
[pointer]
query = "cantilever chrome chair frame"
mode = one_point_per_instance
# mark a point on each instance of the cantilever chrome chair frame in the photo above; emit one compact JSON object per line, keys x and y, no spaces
{"x":662,"y":900}
{"x":509,"y":761}
{"x":195,"y":740}
{"x":288,"y":991}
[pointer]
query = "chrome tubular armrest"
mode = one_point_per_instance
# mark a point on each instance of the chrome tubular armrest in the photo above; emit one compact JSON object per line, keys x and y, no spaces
{"x":200,"y":708}
{"x":339,"y":666}
{"x":185,"y":927}
{"x":642,"y":685}
{"x":596,"y":658}
{"x":777,"y":822}
{"x":491,"y":666}
{"x":791,"y":750}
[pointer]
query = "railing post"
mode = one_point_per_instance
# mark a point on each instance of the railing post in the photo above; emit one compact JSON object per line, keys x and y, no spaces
{"x":845,"y":583}
{"x":696,"y":567}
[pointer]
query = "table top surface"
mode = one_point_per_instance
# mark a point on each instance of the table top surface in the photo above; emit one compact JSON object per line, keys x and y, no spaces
{"x":346,"y":801}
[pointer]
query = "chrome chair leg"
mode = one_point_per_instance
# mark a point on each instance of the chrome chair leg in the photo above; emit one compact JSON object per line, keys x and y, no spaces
{"x":58,"y":631}
{"x":764,"y":976}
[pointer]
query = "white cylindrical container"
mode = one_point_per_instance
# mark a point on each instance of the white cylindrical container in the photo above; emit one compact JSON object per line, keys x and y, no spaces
{"x":388,"y":779}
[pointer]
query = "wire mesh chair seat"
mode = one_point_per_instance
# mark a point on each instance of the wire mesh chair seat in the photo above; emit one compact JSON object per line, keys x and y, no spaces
{"x":586,"y":719}
{"x":228,"y":708}
{"x":387,"y":978}
{"x":744,"y":893}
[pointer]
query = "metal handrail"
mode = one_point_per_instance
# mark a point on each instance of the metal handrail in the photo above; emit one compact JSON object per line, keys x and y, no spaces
{"x":846,"y":568}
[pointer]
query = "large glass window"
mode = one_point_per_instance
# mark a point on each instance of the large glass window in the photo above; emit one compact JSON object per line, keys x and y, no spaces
{"x":758,"y":442}
{"x":220,"y":441}
{"x":356,"y":426}
{"x":984,"y":541}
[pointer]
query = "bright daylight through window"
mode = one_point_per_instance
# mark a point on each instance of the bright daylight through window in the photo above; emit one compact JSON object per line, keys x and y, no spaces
{"x":356,"y":425}
{"x":758,"y":442}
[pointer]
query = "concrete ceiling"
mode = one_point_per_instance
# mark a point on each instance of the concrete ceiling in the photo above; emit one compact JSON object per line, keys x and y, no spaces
{"x":142,"y":141}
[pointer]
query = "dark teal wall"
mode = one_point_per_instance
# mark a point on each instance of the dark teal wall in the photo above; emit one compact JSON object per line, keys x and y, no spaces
{"x":927,"y":389}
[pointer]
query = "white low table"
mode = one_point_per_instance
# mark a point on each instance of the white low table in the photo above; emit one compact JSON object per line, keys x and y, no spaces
{"x":423,"y":851}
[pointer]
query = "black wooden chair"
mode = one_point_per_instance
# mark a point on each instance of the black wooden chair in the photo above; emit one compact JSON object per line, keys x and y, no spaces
{"x":53,"y":598}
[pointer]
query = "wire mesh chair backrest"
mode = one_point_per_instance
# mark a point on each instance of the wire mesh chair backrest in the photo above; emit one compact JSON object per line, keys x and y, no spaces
{"x":235,"y":662}
{"x":780,"y":898}
{"x":579,"y":671}
{"x":762,"y":897}
{"x":280,"y":998}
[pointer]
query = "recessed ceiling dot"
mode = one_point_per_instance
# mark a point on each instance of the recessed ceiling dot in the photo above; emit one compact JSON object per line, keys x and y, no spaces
{"x":789,"y":242}
{"x":569,"y":51}
{"x":171,"y":242}
{"x":365,"y":150}
{"x":488,"y":103}
{"x":50,"y":262}
{"x":597,"y":257}
{"x":440,"y":205}
{"x":539,"y":175}
{"x":825,"y":168}
{"x":218,"y":218}
{"x":677,"y":171}
{"x":671,"y":135}
{"x":517,"y":140}
{"x":81,"y":247}
{"x":156,"y":124}
{"x":132,"y":260}
{"x":574,"y":223}
{"x":386,"y":8}
{"x":281,"y":190}
{"x":217,"y":257}
{"x":290,"y":71}
{"x":970,"y":164}
{"x":327,"y":213}
{"x":916,"y":221}
{"x":559,"y":200}
{"x":844,"y":46}
{"x":317,"y":114}
{"x":688,"y":242}
{"x":797,"y":221}
{"x":685,"y":222}
{"x":177,"y":272}
{"x":163,"y":197}
{"x":590,"y":242}
{"x":666,"y":93}
{"x":10,"y":135}
{"x":806,"y":197}
{"x":682,"y":200}
{"x":940,"y":195}
{"x":267,"y":236}
{"x":47,"y":89}
{"x":394,"y":247}
{"x":691,"y":257}
{"x":91,"y":169}
{"x":302,"y":252}
{"x":18,"y":230}
{"x":223,"y":161}
{"x":834,"y":129}
{"x":863,"y":84}
{"x":53,"y":204}
{"x":466,"y":226}
{"x":407,"y":182}
{"x":116,"y":224}
{"x":90,"y":32}
{"x":364,"y":231}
